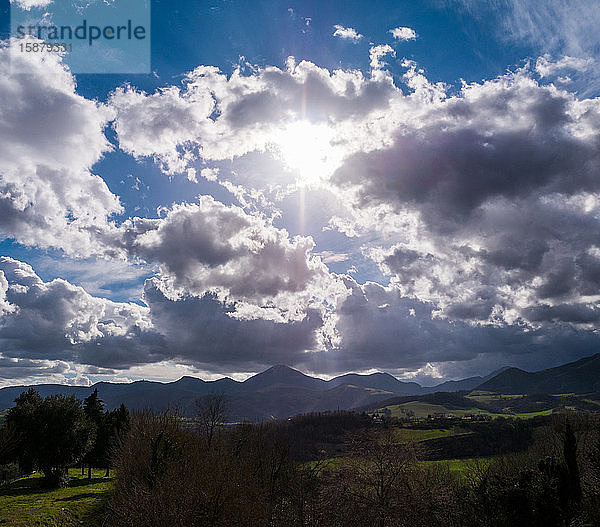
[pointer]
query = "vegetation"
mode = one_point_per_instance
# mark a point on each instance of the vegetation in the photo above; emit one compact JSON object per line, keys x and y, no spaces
{"x":55,"y":433}
{"x":26,"y":503}
{"x":411,"y":435}
{"x":313,"y":470}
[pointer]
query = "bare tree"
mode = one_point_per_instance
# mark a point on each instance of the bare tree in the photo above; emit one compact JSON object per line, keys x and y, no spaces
{"x":211,"y":414}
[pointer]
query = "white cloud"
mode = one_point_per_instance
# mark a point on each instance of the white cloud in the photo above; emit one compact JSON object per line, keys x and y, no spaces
{"x":403,"y":33}
{"x":58,"y":321}
{"x":28,"y":4}
{"x":347,"y":33}
{"x":209,"y":247}
{"x":547,"y":67}
{"x":498,"y":190}
{"x":50,"y":138}
{"x":377,"y":52}
{"x":552,"y":25}
{"x":481,"y":207}
{"x":210,"y":174}
{"x":216,"y":117}
{"x":56,"y":330}
{"x":191,"y":175}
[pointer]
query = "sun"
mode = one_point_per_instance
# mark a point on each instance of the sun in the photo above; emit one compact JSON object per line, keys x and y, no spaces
{"x":308,"y":150}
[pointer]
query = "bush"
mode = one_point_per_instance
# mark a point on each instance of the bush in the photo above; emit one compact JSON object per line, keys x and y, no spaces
{"x":9,"y":472}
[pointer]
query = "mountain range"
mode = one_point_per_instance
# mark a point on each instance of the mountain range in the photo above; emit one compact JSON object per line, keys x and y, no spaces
{"x":281,"y":391}
{"x":581,"y":376}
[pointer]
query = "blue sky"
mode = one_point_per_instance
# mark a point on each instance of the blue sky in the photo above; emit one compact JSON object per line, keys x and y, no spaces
{"x":340,"y":186}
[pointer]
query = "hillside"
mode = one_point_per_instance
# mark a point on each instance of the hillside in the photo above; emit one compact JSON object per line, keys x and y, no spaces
{"x":582,"y":376}
{"x":280,"y":391}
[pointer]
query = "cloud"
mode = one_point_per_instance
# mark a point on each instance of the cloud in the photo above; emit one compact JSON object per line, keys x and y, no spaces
{"x":109,"y":278}
{"x":13,"y":369}
{"x":500,"y":184}
{"x":56,"y":320}
{"x":403,"y":33}
{"x":28,"y":4}
{"x":552,"y":25}
{"x":51,"y":137}
{"x":203,"y":331}
{"x":488,"y":191}
{"x":54,"y":330}
{"x":481,"y":208}
{"x":51,"y":327}
{"x":346,"y":33}
{"x":546,"y":67}
{"x":210,"y":247}
{"x":379,"y":329}
{"x":377,"y":52}
{"x":217,"y":117}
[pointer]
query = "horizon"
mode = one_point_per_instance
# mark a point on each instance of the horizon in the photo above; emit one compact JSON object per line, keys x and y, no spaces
{"x":407,"y":188}
{"x":491,"y":374}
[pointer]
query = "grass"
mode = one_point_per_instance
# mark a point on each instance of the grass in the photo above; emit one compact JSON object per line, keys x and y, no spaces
{"x":529,"y":415}
{"x":460,"y":466}
{"x":407,"y":435}
{"x":421,"y":410}
{"x":483,"y":396}
{"x":24,"y":503}
{"x":463,"y":467}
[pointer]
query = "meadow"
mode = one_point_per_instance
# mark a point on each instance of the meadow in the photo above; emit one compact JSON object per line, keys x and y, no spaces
{"x":26,"y":503}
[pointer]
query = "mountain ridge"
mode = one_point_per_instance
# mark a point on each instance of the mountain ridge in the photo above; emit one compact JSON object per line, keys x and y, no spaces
{"x":281,"y":391}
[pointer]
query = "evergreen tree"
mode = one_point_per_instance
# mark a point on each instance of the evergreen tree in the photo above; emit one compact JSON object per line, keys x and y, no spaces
{"x":93,"y":408}
{"x":21,"y":418}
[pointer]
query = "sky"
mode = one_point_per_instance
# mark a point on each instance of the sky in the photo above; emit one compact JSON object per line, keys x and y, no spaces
{"x":410,"y":187}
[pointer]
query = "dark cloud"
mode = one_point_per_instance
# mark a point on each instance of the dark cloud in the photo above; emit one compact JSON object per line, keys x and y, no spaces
{"x":203,"y":331}
{"x":42,"y":321}
{"x":210,"y":247}
{"x":503,"y":180}
{"x":11,"y":369}
{"x":380,"y":329}
{"x":507,"y":138}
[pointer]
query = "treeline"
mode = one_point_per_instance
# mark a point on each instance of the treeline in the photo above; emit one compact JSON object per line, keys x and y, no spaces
{"x":58,"y":432}
{"x":174,"y":472}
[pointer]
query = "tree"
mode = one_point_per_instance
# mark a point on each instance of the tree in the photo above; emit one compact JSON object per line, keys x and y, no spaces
{"x":21,"y":418}
{"x":93,"y":408}
{"x":114,"y":425}
{"x":53,"y":433}
{"x":373,"y":487}
{"x":211,"y":413}
{"x":63,"y":435}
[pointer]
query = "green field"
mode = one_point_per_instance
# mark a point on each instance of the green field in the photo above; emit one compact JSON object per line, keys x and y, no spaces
{"x":23,"y":503}
{"x":407,"y":435}
{"x":461,"y":466}
{"x":529,"y":415}
{"x":421,"y":410}
{"x":482,"y":396}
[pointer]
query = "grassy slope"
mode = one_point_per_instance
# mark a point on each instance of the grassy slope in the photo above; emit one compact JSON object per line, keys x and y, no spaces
{"x":407,"y":435}
{"x":461,"y":466}
{"x":421,"y":409}
{"x":24,"y":503}
{"x":488,"y":397}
